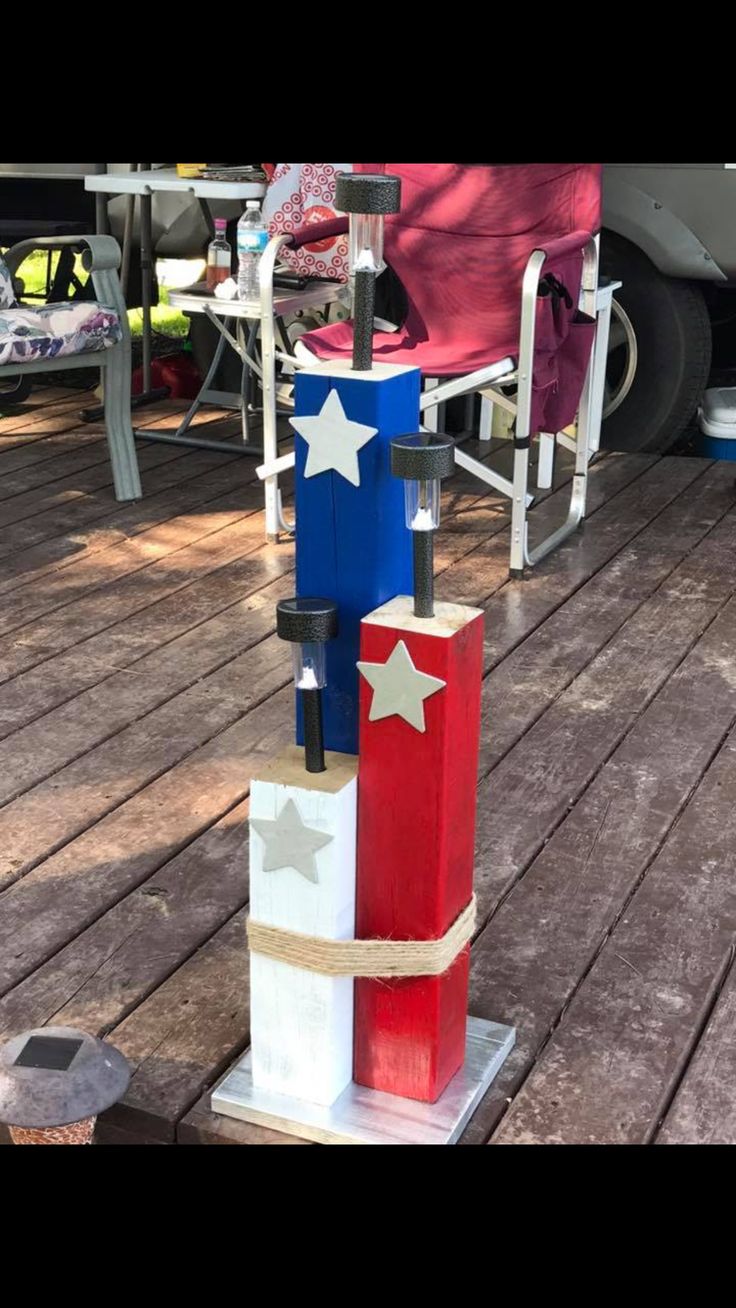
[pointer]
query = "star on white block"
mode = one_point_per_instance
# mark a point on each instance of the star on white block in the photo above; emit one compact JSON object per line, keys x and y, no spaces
{"x":289,"y":843}
{"x":399,"y":688}
{"x":333,"y":440}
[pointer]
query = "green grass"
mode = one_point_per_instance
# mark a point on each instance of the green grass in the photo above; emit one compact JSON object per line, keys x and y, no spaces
{"x":167,"y":321}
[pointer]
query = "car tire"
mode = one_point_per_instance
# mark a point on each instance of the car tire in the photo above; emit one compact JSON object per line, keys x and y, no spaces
{"x":661,"y":326}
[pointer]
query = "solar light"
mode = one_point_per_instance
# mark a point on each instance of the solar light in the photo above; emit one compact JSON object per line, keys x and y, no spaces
{"x":53,"y":1083}
{"x":422,"y":461}
{"x":309,"y":624}
{"x":367,"y":198}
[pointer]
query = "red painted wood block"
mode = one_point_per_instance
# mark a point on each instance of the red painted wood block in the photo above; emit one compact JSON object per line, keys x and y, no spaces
{"x":416,"y":830}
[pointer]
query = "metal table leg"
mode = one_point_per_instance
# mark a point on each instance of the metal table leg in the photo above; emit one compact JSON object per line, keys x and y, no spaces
{"x":147,"y":270}
{"x":226,"y":400}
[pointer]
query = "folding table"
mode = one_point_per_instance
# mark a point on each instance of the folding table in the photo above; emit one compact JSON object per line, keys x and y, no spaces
{"x":143,"y":183}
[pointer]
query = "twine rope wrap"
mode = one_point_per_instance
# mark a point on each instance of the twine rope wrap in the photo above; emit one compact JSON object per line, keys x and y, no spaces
{"x":366,"y":958}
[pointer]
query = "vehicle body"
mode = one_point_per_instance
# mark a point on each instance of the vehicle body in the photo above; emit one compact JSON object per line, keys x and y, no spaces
{"x":669,"y":234}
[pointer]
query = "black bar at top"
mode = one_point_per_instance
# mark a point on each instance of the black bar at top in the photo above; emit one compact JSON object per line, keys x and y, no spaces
{"x":363,"y":310}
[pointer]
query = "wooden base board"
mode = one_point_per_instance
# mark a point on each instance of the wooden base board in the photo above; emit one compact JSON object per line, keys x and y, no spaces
{"x":363,"y":1116}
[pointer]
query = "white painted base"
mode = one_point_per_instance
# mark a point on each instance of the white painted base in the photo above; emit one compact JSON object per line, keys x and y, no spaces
{"x":363,"y":1116}
{"x":301,"y":1022}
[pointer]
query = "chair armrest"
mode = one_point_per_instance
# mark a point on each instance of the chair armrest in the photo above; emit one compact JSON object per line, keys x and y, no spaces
{"x":100,"y":257}
{"x":563,"y":245}
{"x":309,"y":232}
{"x":102,"y":252}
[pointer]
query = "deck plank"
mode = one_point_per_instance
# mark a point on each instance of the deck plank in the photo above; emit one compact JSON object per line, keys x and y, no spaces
{"x":528,"y":962}
{"x":142,"y":681}
{"x":536,"y":671}
{"x":608,"y":1071}
{"x":682,"y":581}
{"x":124,"y":607}
{"x":106,"y":971}
{"x":108,"y":860}
{"x":173,"y":490}
{"x":704,"y":1108}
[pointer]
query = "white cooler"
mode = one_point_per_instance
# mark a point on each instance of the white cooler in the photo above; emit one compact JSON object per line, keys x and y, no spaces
{"x":717,"y":422}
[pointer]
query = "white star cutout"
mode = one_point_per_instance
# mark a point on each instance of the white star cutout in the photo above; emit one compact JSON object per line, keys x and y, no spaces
{"x":333,"y":440}
{"x":289,"y":843}
{"x":398,"y":687}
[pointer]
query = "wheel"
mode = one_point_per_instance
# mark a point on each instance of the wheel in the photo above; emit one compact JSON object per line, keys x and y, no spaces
{"x":659,"y":352}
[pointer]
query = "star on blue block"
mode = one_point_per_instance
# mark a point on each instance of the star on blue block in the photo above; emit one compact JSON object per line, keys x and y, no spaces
{"x":333,"y":440}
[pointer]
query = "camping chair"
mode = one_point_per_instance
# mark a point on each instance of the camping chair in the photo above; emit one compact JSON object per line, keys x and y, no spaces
{"x":85,"y":334}
{"x":499,"y":264}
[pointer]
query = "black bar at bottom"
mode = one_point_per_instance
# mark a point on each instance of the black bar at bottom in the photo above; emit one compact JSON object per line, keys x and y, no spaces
{"x":196,"y":442}
{"x":314,"y":748}
{"x":137,"y":401}
{"x":423,"y":574}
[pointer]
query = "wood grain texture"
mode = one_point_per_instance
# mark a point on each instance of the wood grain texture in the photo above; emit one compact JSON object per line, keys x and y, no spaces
{"x":133,"y":914}
{"x":123,"y":848}
{"x":352,"y":545}
{"x":544,"y":937}
{"x":704,"y":1108}
{"x":607,"y":1072}
{"x":201,"y":1126}
{"x":528,"y":794}
{"x":108,"y":969}
{"x":183,"y":1037}
{"x":77,"y":508}
{"x":133,"y":614}
{"x":179,"y":487}
{"x":415,"y":849}
{"x":302,"y":1022}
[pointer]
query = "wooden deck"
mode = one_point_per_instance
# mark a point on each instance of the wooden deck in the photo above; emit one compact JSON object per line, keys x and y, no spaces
{"x":142,"y":682}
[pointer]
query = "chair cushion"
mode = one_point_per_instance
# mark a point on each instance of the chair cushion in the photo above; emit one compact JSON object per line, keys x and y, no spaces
{"x":7,"y":298}
{"x":48,"y":331}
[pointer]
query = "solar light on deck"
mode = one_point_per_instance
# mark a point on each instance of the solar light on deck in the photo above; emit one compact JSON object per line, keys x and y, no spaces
{"x":422,"y":461}
{"x":366,"y":198}
{"x":53,"y":1083}
{"x":309,"y":624}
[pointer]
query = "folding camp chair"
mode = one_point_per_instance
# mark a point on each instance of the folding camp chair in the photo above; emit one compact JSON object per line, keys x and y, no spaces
{"x":499,"y":264}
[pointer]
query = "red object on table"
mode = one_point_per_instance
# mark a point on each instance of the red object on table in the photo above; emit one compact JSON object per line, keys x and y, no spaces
{"x":177,"y":371}
{"x":416,"y":835}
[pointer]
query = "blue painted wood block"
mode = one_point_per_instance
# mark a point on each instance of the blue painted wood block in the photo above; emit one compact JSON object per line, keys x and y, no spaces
{"x":352,"y":544}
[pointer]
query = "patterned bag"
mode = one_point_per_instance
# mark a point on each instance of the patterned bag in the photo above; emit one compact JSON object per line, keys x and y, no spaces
{"x":300,"y":193}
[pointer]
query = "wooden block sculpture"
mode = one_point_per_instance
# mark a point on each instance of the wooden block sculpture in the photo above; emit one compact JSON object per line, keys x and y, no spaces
{"x":351,"y":543}
{"x":419,"y":731}
{"x":362,"y":906}
{"x":302,"y":877}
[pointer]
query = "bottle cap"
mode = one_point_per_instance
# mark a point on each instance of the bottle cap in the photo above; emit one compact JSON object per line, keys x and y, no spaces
{"x":220,"y":224}
{"x":252,"y":204}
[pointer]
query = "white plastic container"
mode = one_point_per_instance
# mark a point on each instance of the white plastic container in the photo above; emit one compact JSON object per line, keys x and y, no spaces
{"x":717,"y":422}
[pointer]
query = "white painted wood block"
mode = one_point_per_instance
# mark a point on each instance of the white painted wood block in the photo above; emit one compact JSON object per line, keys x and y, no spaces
{"x":301,"y":1022}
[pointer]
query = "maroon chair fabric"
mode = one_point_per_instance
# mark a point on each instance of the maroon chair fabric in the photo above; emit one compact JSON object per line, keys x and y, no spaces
{"x":459,"y":246}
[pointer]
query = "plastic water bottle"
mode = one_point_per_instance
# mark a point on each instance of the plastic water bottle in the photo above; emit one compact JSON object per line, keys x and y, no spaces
{"x":252,"y":241}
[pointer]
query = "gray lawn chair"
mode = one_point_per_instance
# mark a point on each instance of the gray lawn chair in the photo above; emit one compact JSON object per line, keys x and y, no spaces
{"x":83,"y":334}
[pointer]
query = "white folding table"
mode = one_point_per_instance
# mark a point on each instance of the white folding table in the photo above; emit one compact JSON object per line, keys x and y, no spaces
{"x":143,"y":183}
{"x":274,"y":303}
